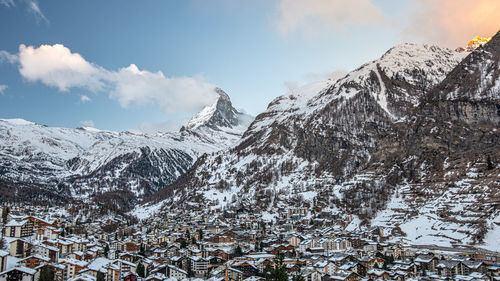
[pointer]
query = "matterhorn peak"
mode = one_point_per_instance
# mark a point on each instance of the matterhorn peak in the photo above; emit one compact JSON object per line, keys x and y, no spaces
{"x":220,"y":114}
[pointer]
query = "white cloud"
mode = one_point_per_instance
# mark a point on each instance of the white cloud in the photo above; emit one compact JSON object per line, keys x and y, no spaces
{"x":85,"y":99}
{"x":309,"y":16}
{"x":142,"y":87}
{"x":7,"y":57}
{"x":8,"y":3}
{"x":291,"y":85}
{"x":2,"y":88}
{"x":32,"y":7}
{"x":87,"y":123}
{"x":56,"y":66}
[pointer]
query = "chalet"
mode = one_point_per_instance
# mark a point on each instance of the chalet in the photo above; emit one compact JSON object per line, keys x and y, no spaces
{"x":295,"y":240}
{"x":311,"y":275}
{"x":321,"y":266}
{"x":353,"y":267}
{"x":73,"y":266}
{"x":469,"y":266}
{"x":20,"y":248}
{"x":157,"y":277}
{"x":246,"y":268}
{"x":19,"y":273}
{"x":83,"y":277}
{"x":378,"y":274}
{"x":448,"y":268}
{"x":199,"y":265}
{"x":18,"y":229}
{"x":112,"y":272}
{"x":48,"y":251}
{"x":372,"y":262}
{"x":48,"y":232}
{"x":65,"y":247}
{"x":175,"y":272}
{"x":33,"y":261}
{"x":131,"y":247}
{"x":125,"y":265}
{"x":343,"y":275}
{"x":427,"y":262}
{"x":235,"y":274}
{"x":40,"y":223}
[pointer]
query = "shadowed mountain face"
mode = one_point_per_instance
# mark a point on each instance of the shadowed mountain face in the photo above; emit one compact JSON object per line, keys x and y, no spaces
{"x":89,"y":163}
{"x":409,"y":139}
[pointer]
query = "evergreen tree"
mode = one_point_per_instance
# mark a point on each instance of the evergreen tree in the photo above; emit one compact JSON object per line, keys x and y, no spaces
{"x":140,"y":270}
{"x":142,"y":250}
{"x":183,"y":244}
{"x":106,"y":250}
{"x":46,"y":274}
{"x":100,"y":276}
{"x":278,"y":273}
{"x":298,"y":276}
{"x":489,"y":163}
{"x":238,"y":252}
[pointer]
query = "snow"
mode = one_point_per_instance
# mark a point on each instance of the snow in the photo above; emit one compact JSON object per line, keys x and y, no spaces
{"x":381,"y":98}
{"x":492,"y":238}
{"x":17,"y":121}
{"x":12,"y":262}
{"x":353,"y":224}
{"x":203,"y":116}
{"x":46,"y":151}
{"x":146,"y":211}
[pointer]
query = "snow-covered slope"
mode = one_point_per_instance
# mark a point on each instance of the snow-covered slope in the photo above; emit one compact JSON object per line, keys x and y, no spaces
{"x":85,"y":161}
{"x":350,"y":145}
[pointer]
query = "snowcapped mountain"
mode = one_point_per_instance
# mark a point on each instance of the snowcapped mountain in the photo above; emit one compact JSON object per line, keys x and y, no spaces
{"x":84,"y":162}
{"x":409,"y":140}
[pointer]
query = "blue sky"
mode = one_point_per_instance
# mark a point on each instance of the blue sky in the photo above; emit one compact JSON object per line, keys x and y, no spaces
{"x":253,"y":50}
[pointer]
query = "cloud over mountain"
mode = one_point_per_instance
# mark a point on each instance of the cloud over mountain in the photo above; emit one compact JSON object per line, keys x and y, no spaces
{"x":57,"y":66}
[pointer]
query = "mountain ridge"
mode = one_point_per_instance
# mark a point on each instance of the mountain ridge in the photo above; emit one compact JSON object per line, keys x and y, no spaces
{"x":86,"y":162}
{"x":355,"y":145}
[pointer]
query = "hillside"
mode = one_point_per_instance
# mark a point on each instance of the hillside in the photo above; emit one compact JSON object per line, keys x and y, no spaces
{"x":409,"y":140}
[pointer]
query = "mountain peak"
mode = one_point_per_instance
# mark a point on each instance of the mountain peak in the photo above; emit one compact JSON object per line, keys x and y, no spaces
{"x":220,"y":114}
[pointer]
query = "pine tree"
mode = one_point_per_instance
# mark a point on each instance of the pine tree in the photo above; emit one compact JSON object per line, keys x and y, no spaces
{"x":46,"y":274}
{"x":142,"y":250}
{"x":106,"y":250}
{"x":298,"y":276}
{"x":100,"y":276}
{"x":238,"y":252}
{"x":140,"y":270}
{"x":183,"y":244}
{"x":489,"y":163}
{"x":279,"y":272}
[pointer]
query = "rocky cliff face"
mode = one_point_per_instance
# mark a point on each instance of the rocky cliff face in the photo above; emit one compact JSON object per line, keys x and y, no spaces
{"x":401,"y":140}
{"x":87,"y":163}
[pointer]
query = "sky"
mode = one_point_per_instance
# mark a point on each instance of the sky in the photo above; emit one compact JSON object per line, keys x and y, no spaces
{"x":151,"y":65}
